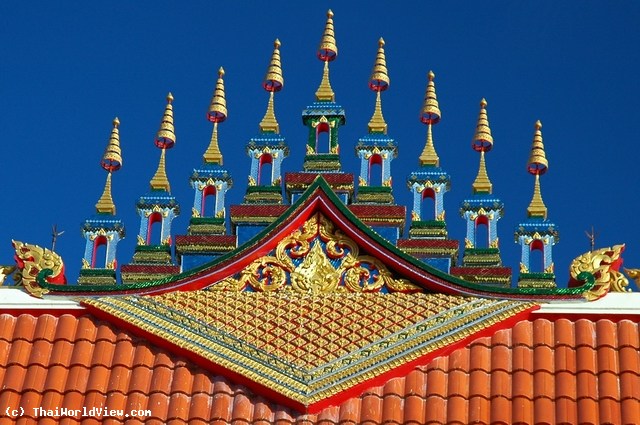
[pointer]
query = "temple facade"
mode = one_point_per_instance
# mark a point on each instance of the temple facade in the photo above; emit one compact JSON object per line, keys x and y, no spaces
{"x":319,"y":299}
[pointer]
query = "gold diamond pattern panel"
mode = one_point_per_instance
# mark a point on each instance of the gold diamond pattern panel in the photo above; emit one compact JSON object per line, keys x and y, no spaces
{"x":309,"y":330}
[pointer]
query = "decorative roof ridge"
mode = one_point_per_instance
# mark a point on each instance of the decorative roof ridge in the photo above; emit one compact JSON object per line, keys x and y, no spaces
{"x":320,"y":194}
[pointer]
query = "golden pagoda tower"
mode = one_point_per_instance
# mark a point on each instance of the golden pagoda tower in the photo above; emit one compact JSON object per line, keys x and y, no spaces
{"x":428,"y":235}
{"x":481,"y":261}
{"x":537,"y":233}
{"x":104,"y":230}
{"x":153,"y":254}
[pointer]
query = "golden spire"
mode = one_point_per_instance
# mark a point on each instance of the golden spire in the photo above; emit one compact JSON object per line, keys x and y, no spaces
{"x":328,"y":49}
{"x":166,"y":136}
{"x":111,"y":161}
{"x":165,"y":139}
{"x":273,"y":82}
{"x":379,"y":82}
{"x":482,"y":184}
{"x":430,"y":114}
{"x":218,"y":106}
{"x":482,"y":142}
{"x":159,"y":181}
{"x":327,"y":52}
{"x":482,"y":139}
{"x":537,"y":166}
{"x":217,"y":113}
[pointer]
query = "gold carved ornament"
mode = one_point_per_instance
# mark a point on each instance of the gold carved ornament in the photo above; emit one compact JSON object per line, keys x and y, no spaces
{"x":317,"y":272}
{"x":32,"y":259}
{"x":600,"y":263}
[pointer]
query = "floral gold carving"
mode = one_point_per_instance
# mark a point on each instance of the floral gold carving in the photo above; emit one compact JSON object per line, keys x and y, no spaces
{"x":317,"y":258}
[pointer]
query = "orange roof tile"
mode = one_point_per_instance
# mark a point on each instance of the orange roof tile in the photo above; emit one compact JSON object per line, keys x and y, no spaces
{"x":539,"y":371}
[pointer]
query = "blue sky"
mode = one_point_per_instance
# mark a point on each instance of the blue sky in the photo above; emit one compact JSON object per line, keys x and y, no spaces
{"x":66,"y":70}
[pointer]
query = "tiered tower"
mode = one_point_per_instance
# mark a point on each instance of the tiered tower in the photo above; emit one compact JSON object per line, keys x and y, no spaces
{"x":263,"y":201}
{"x":428,"y":237}
{"x":375,"y":205}
{"x":207,"y":236}
{"x":104,"y":229}
{"x":481,"y":261}
{"x":323,"y":119}
{"x":537,"y":233}
{"x":157,"y":209}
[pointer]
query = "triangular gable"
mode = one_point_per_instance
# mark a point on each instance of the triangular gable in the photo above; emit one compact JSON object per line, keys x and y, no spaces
{"x":308,"y":351}
{"x":319,"y":198}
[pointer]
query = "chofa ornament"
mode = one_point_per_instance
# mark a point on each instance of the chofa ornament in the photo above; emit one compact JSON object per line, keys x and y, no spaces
{"x":603,"y":264}
{"x":33,"y":260}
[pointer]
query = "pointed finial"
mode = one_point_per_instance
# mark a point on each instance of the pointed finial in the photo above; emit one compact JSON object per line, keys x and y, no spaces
{"x":328,"y":49}
{"x":218,"y":106}
{"x":159,"y":181}
{"x":538,"y":163}
{"x":482,"y":142}
{"x":273,"y":82}
{"x":166,"y":136}
{"x":112,"y":158}
{"x":482,"y":184}
{"x":111,"y":161}
{"x":430,"y":113}
{"x":379,"y":82}
{"x":482,"y":139}
{"x":537,"y":166}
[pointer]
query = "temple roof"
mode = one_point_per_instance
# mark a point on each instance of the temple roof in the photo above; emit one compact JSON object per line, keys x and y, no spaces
{"x":538,"y":371}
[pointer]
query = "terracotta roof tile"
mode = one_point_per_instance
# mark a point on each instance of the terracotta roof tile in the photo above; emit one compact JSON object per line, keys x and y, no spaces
{"x":349,"y":412}
{"x":262,"y":414}
{"x":537,"y":372}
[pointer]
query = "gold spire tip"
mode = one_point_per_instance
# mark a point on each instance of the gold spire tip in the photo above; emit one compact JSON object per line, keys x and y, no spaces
{"x":166,"y":135}
{"x":218,"y":106}
{"x":482,"y":139}
{"x":273,"y":80}
{"x":538,"y":163}
{"x":379,"y":80}
{"x":328,"y":49}
{"x":112,"y":157}
{"x":430,"y":113}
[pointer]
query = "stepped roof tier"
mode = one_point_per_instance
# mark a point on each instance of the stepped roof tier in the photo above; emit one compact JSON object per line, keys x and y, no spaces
{"x":306,"y":303}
